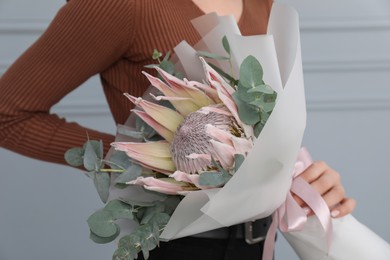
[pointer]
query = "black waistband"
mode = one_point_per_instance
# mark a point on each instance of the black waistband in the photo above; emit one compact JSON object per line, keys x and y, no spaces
{"x":253,"y":229}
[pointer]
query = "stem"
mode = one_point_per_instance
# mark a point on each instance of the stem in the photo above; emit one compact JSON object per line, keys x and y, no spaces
{"x":231,"y":72}
{"x":117,"y":165}
{"x":111,"y":170}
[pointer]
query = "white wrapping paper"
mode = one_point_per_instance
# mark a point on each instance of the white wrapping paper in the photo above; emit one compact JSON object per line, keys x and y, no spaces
{"x":350,"y":240}
{"x":263,"y":180}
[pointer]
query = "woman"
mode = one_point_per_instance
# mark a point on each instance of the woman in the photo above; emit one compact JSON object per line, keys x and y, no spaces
{"x":115,"y":38}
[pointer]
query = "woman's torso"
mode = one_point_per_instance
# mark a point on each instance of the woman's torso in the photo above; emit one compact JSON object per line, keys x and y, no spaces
{"x":162,"y":25}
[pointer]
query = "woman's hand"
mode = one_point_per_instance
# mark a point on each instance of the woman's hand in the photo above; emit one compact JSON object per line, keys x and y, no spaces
{"x":327,"y":182}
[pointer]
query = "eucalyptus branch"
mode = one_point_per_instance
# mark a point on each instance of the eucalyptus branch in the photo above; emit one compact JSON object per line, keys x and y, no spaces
{"x":111,"y":170}
{"x":115,"y":164}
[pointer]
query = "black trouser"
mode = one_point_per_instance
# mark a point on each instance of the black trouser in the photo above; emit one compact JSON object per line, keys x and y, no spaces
{"x":196,"y":248}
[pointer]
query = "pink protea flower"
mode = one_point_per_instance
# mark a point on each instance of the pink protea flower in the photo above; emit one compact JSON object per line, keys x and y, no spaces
{"x":204,"y":125}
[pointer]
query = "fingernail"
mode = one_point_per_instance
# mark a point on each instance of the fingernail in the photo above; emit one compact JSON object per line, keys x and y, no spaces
{"x":335,"y":213}
{"x":306,"y":210}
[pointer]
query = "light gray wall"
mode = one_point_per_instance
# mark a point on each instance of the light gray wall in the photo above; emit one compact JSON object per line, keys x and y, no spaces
{"x":346,"y":55}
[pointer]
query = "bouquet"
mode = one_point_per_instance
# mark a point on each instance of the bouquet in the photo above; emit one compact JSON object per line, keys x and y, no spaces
{"x":212,"y":149}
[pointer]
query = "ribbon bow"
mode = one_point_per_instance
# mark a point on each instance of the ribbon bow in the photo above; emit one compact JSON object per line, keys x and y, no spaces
{"x":290,"y":216}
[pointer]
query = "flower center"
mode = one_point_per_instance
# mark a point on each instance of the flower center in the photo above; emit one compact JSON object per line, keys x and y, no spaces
{"x":191,"y":138}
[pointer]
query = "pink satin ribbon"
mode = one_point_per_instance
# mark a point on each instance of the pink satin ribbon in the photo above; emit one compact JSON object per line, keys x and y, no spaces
{"x":290,"y":216}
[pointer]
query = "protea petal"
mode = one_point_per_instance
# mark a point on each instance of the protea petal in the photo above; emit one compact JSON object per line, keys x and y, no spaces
{"x":175,"y":88}
{"x":158,"y":149}
{"x":210,"y":92}
{"x":242,"y":145}
{"x":161,"y":130}
{"x":200,"y":156}
{"x":167,"y":117}
{"x":199,"y":97}
{"x":159,"y":185}
{"x":215,"y":110}
{"x":162,"y":164}
{"x":213,"y":76}
{"x":219,"y":134}
{"x":224,"y":153}
{"x":190,"y":178}
{"x":174,"y":96}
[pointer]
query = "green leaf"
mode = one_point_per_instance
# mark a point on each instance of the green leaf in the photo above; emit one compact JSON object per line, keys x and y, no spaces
{"x":212,"y":55}
{"x":167,"y":66}
{"x":151,"y":66}
{"x":248,"y":114}
{"x":130,"y":174}
{"x":97,"y":147}
{"x":74,"y":156}
{"x":259,"y":103}
{"x":226,"y":45}
{"x":243,"y":93}
{"x":151,"y":211}
{"x":119,"y":160}
{"x":263,"y":88}
{"x":179,"y":75}
{"x":251,"y":72}
{"x":238,"y":160}
{"x":268,"y":107}
{"x":124,"y":254}
{"x":91,"y":174}
{"x":90,"y":157}
{"x":131,"y":240}
{"x":229,"y":78}
{"x":213,"y":178}
{"x":166,"y":57}
{"x":146,"y":130}
{"x":161,"y":219}
{"x":258,"y":128}
{"x":102,"y":184}
{"x":102,"y":224}
{"x":156,"y":54}
{"x":130,"y":133}
{"x":121,"y":186}
{"x":103,"y":240}
{"x":171,"y":203}
{"x":119,"y":210}
{"x":135,"y":203}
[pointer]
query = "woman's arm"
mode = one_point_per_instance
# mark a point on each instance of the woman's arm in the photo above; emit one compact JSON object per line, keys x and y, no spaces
{"x":85,"y":38}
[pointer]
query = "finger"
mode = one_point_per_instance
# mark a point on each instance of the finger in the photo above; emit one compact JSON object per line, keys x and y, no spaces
{"x":346,"y":206}
{"x":334,"y":196}
{"x":328,"y":180}
{"x":314,"y":171}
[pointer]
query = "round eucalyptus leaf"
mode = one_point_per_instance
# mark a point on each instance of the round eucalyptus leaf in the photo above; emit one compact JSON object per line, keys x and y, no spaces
{"x":214,"y":179}
{"x":102,"y":224}
{"x":248,"y":114}
{"x":119,"y":160}
{"x":251,"y":72}
{"x":102,"y":185}
{"x":124,"y":254}
{"x":90,"y":157}
{"x":119,"y":209}
{"x":74,"y":156}
{"x":103,"y":240}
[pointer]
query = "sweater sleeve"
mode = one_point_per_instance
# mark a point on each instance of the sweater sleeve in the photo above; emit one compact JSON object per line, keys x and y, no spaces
{"x":85,"y":38}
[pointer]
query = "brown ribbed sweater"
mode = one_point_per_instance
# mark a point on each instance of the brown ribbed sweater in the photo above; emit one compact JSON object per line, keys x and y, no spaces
{"x":113,"y":38}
